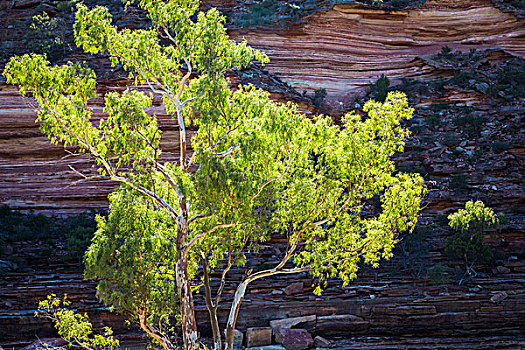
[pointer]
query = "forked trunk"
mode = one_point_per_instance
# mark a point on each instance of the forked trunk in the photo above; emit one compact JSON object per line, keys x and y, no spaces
{"x":162,"y":339}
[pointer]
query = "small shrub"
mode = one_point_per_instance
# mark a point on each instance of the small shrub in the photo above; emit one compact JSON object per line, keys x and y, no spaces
{"x":412,"y":250}
{"x":446,"y":52}
{"x":439,"y":105}
{"x":66,"y":6}
{"x":74,"y":328}
{"x":319,"y":96}
{"x":471,"y":124}
{"x":500,"y":147}
{"x":267,"y":12}
{"x":451,"y":139}
{"x":432,"y":120}
{"x":467,"y":243}
{"x":461,"y":79}
{"x":380,"y":88}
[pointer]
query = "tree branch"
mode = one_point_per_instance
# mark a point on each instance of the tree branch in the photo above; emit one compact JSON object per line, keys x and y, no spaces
{"x":197,"y":237}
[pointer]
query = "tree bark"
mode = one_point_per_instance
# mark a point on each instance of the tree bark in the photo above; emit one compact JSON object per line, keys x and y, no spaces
{"x":212,"y":308}
{"x":234,"y":312}
{"x":163,"y":340}
{"x":190,"y":336}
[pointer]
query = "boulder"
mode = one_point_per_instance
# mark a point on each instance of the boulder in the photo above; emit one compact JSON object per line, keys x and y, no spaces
{"x":258,"y":336}
{"x":291,"y":322}
{"x":340,"y":324}
{"x":294,"y":339}
{"x":320,"y":342}
{"x":294,"y":288}
{"x":502,"y":269}
{"x":499,"y":297}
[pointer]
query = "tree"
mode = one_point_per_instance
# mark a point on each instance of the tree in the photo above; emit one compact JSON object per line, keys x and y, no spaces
{"x":467,"y":243}
{"x":255,"y":168}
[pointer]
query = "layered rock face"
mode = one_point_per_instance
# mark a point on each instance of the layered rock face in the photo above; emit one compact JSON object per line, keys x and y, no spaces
{"x":467,"y":139}
{"x":347,"y":47}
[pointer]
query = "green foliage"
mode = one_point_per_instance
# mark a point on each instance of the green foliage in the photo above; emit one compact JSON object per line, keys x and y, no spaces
{"x":76,"y":230}
{"x":79,"y":230}
{"x":269,"y":11}
{"x":380,"y":88}
{"x":73,"y":327}
{"x":458,"y":182}
{"x":258,"y":167}
{"x":467,"y":243}
{"x":413,"y":251}
{"x":446,"y":52}
{"x":451,"y":139}
{"x":461,"y":79}
{"x":132,"y":256}
{"x":500,"y":147}
{"x":67,"y":5}
{"x":510,"y":80}
{"x":390,"y":5}
{"x":15,"y":226}
{"x":432,"y":119}
{"x":46,"y":36}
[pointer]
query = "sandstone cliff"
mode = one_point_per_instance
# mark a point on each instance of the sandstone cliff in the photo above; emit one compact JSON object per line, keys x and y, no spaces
{"x":467,"y":138}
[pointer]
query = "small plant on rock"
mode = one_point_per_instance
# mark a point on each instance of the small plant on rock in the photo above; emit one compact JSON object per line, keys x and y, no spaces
{"x":319,"y":96}
{"x":380,"y":88}
{"x":467,"y":243}
{"x":46,"y":35}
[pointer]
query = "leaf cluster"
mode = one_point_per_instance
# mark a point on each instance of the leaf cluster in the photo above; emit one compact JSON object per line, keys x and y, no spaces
{"x":467,"y":244}
{"x":133,"y":257}
{"x":74,"y":327}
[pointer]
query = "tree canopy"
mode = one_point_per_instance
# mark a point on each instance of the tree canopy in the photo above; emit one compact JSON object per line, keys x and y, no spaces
{"x":255,"y":167}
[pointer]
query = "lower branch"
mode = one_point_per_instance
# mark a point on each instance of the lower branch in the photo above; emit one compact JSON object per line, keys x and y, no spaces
{"x":163,"y":340}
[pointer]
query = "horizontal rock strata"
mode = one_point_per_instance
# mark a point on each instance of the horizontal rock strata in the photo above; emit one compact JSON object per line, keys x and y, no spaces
{"x":341,"y":50}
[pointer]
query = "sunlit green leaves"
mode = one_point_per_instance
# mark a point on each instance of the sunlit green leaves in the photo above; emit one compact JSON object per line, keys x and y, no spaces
{"x":75,"y":328}
{"x":133,"y":256}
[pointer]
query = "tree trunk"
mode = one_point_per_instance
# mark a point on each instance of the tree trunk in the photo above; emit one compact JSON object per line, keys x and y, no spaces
{"x":190,"y":336}
{"x":234,"y":312}
{"x":217,"y":341}
{"x":163,"y":340}
{"x":241,"y":291}
{"x":189,"y":324}
{"x":212,"y":308}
